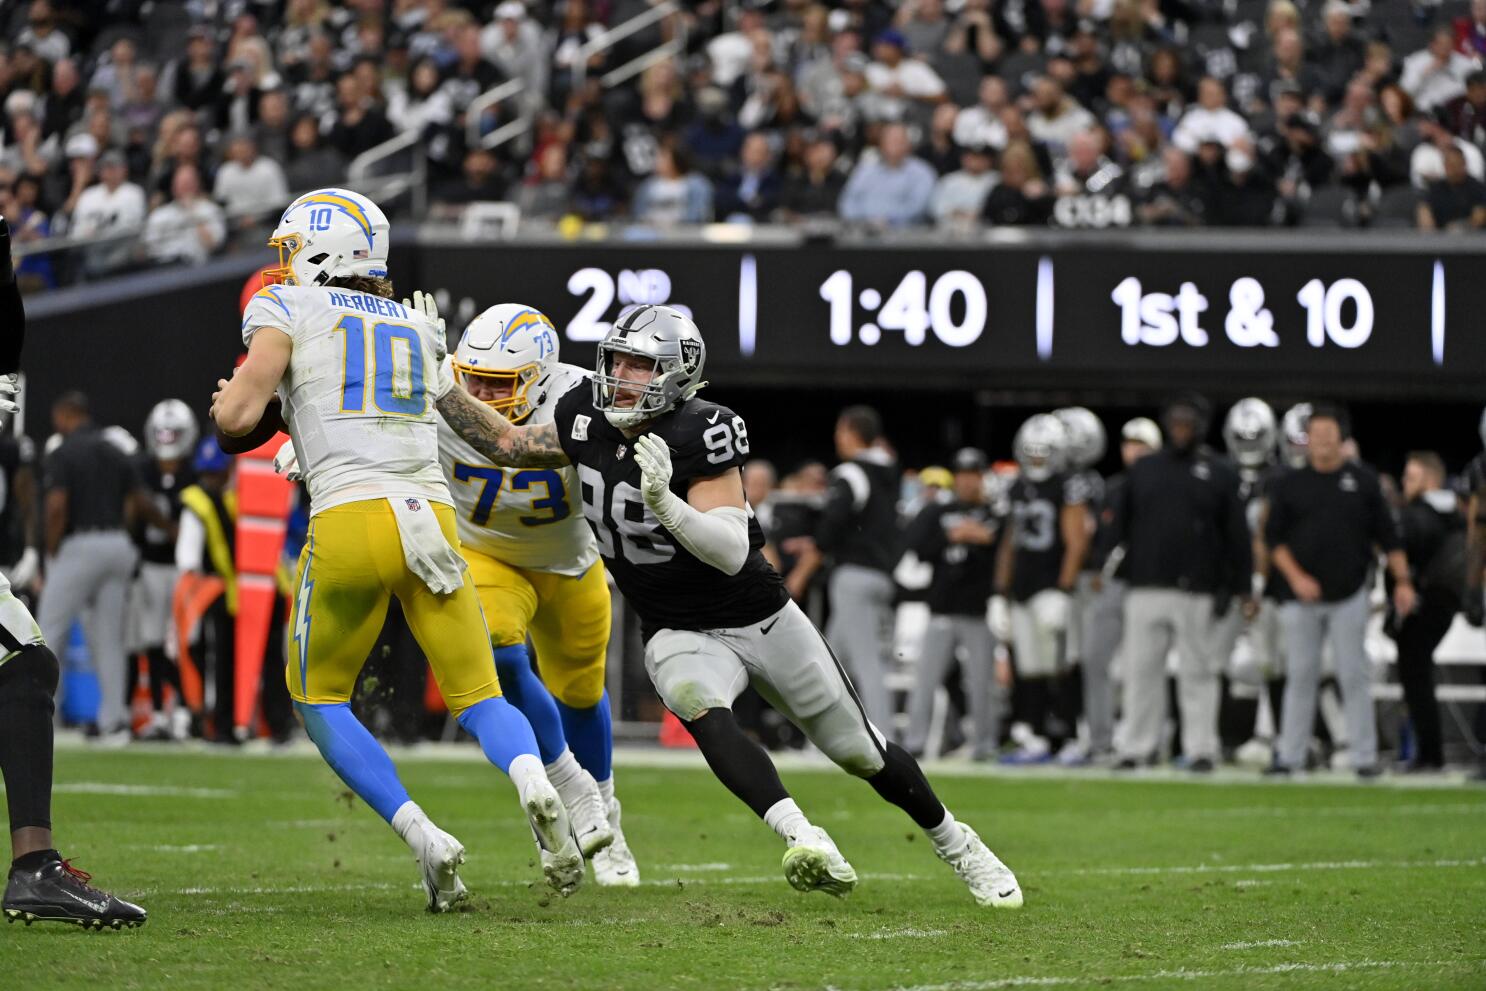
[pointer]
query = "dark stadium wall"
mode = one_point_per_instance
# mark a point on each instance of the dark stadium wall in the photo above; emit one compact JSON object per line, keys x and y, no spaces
{"x":130,"y":342}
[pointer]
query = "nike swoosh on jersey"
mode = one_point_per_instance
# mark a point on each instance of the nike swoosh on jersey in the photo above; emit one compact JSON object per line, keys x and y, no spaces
{"x":768,"y":626}
{"x":715,"y":414}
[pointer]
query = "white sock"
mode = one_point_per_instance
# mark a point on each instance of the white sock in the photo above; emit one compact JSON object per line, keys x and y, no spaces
{"x":606,"y":789}
{"x":408,"y":822}
{"x":786,"y":819}
{"x":947,"y":837}
{"x":524,"y":770}
{"x":564,"y":773}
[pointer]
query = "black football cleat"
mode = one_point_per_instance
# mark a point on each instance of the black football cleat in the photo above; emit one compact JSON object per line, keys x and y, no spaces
{"x":58,"y":892}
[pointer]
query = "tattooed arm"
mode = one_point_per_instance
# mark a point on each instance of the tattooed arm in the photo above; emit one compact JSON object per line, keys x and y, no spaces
{"x":500,"y":440}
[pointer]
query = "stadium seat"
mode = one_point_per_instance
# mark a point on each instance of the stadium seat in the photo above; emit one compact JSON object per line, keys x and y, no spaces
{"x":1330,"y":206}
{"x":1395,"y":208}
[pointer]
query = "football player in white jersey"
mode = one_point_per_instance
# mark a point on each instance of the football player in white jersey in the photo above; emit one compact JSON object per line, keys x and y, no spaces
{"x":358,"y":377}
{"x":535,"y":563}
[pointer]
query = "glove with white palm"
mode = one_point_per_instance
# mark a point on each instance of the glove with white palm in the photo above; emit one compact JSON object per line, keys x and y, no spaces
{"x":424,"y":303}
{"x":286,"y":462}
{"x":654,"y":458}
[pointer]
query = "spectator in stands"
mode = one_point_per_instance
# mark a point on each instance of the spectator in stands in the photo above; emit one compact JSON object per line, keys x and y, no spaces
{"x":1300,"y":164}
{"x":814,"y":190}
{"x":1245,"y":195}
{"x":1021,"y":197}
{"x":545,"y":196}
{"x":1435,"y":75}
{"x":189,"y":227}
{"x":1178,"y":199}
{"x":312,"y":81}
{"x":21,"y":206}
{"x":598,"y":194}
{"x":939,"y":148}
{"x":714,"y":139}
{"x":471,"y":73}
{"x":1091,"y":190}
{"x":1433,"y":533}
{"x":424,"y":107}
{"x":1056,"y":117}
{"x":111,"y":209}
{"x":923,"y":25}
{"x":731,"y":51}
{"x":1427,"y":163}
{"x":117,"y":73}
{"x":575,"y":30}
{"x":360,"y":125}
{"x":1339,"y":53}
{"x":515,"y":45}
{"x":974,"y":31}
{"x":1210,"y":120}
{"x":27,"y":151}
{"x":185,"y":150}
{"x":673,"y":194}
{"x":899,"y":80}
{"x":752,"y":194}
{"x":64,"y":103}
{"x":1466,"y":114}
{"x":480,"y":182}
{"x":981,"y":124}
{"x":141,"y":113}
{"x":196,"y":81}
{"x":272,"y":130}
{"x":1167,"y":82}
{"x":1455,"y":202}
{"x":1470,"y":31}
{"x":312,"y":163}
{"x":959,"y":198}
{"x":41,"y":34}
{"x":891,"y":188}
{"x":1287,"y":65}
{"x":248,"y":185}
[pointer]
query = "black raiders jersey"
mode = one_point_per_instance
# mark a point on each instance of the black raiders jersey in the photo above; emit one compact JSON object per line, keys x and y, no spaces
{"x":1087,"y":486}
{"x":157,"y":546}
{"x":1036,"y":528}
{"x":16,"y":452}
{"x":663,"y":581}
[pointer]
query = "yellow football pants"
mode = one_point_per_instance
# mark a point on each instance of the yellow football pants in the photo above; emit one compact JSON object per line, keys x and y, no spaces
{"x":567,"y":617}
{"x":350,"y":567}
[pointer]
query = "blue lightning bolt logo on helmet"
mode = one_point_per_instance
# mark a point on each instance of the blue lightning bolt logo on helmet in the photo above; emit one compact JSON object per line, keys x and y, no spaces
{"x":329,"y":234}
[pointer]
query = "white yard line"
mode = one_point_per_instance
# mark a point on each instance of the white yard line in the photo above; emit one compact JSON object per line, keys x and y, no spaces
{"x":908,"y":933}
{"x":1259,"y":943}
{"x":1320,"y":865}
{"x":138,"y":791}
{"x":1340,"y":967}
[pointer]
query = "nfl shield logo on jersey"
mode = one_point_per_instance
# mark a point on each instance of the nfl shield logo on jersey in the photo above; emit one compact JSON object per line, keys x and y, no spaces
{"x":413,"y":505}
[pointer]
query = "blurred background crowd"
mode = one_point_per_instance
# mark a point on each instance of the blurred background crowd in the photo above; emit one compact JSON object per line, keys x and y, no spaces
{"x":164,"y":131}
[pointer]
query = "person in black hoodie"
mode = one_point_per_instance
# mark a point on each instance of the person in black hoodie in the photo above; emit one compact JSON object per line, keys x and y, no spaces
{"x":1188,"y":557}
{"x":1433,"y":532}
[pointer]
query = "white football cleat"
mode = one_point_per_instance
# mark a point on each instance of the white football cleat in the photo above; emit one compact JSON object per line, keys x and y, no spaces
{"x":562,"y":861}
{"x":812,"y":863}
{"x":585,"y":807}
{"x":989,"y":880}
{"x":614,"y":866}
{"x":439,"y":856}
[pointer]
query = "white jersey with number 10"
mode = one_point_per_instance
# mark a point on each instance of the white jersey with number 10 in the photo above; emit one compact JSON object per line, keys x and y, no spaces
{"x":359,"y":392}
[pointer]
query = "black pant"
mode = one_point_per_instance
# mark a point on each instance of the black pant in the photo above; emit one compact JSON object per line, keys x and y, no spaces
{"x":1418,"y":636}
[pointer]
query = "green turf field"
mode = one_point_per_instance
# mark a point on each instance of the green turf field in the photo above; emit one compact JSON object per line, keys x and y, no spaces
{"x":259,"y":872}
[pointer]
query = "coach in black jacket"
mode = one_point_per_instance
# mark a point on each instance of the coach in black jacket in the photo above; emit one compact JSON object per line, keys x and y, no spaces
{"x":1187,"y":556}
{"x":859,"y":533}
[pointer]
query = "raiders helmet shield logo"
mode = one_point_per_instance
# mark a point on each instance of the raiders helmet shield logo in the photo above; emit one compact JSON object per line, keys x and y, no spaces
{"x":691,"y":353}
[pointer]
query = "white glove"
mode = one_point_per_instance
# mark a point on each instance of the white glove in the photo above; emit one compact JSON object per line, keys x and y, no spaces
{"x":654,"y":459}
{"x":286,"y":462}
{"x":423,"y":302}
{"x":10,"y":387}
{"x":23,"y":573}
{"x":1000,"y":618}
{"x":1051,"y":607}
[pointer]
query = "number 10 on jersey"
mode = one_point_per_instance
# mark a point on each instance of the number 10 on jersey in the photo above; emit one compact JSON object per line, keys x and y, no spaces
{"x":396,"y":368}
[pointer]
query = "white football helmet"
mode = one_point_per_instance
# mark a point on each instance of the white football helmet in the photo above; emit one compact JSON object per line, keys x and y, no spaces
{"x":1085,"y":436}
{"x":1041,"y":447}
{"x":666,"y":336}
{"x":170,"y":430}
{"x":1293,"y":439}
{"x":1249,"y":432}
{"x":509,"y":344}
{"x":122,"y":439}
{"x":329,"y":234}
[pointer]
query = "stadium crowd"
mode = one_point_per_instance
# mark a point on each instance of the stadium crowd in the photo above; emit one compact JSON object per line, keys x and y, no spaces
{"x":1028,"y":610}
{"x":166,"y":131}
